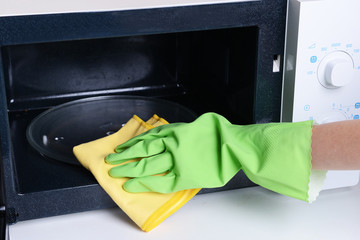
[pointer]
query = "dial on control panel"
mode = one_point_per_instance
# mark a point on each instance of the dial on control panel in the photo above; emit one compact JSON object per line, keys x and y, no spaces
{"x":336,"y":70}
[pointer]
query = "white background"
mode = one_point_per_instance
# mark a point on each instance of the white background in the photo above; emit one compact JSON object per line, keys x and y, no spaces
{"x":29,"y":7}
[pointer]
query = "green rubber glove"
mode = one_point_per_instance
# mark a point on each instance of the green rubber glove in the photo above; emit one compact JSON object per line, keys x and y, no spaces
{"x":208,"y":152}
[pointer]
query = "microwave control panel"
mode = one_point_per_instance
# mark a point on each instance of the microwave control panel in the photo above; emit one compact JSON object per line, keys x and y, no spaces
{"x":331,"y":94}
{"x":322,"y":66}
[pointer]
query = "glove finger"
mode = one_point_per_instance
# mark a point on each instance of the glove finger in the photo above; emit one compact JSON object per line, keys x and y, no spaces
{"x":141,"y":149}
{"x":146,"y":136}
{"x":145,"y":167}
{"x":160,"y":184}
{"x":131,"y":142}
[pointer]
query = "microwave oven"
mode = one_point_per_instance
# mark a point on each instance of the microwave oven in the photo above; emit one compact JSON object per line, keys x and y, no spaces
{"x":223,"y":57}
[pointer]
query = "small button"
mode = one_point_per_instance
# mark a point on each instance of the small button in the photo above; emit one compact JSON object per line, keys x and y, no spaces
{"x":313,"y":59}
{"x":307,"y":107}
{"x":357,"y":105}
{"x":356,"y":117}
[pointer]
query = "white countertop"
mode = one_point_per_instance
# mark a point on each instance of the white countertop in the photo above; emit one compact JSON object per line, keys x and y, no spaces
{"x":251,"y":213}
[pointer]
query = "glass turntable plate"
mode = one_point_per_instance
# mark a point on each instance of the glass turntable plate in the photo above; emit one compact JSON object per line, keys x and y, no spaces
{"x":56,"y":131}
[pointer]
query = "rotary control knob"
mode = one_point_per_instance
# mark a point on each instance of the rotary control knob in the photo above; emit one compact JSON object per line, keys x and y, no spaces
{"x":336,"y":70}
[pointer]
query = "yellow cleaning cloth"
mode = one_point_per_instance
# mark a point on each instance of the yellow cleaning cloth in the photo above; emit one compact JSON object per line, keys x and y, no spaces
{"x":147,"y":210}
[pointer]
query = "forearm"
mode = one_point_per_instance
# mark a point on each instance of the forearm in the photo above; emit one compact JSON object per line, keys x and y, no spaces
{"x":336,"y":145}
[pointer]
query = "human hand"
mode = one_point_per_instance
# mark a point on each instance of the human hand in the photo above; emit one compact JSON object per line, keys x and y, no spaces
{"x":192,"y":155}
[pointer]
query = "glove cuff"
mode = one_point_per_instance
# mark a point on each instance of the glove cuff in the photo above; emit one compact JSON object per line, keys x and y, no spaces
{"x":317,"y":178}
{"x":284,"y":159}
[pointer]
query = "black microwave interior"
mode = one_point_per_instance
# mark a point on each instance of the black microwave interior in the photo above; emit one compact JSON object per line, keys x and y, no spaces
{"x":205,"y":71}
{"x":211,"y":70}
